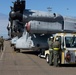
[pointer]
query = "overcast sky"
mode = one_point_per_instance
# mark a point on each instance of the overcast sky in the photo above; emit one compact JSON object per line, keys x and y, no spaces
{"x":64,"y":7}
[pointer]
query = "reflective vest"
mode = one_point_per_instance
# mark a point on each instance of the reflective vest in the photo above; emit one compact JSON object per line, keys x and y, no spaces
{"x":56,"y":49}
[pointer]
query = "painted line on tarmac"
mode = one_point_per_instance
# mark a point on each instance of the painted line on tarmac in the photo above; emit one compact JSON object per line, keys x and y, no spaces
{"x":1,"y":57}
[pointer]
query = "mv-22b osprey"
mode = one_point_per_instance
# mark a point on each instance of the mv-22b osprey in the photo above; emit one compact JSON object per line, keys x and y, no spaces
{"x":30,"y":29}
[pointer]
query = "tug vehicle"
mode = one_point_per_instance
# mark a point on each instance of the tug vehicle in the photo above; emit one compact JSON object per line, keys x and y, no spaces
{"x":68,"y":48}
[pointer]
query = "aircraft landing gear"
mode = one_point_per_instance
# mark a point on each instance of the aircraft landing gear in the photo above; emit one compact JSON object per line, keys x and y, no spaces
{"x":17,"y":50}
{"x":41,"y":53}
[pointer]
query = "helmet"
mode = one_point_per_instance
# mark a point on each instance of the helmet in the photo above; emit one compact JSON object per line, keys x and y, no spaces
{"x":1,"y":36}
{"x":51,"y":38}
{"x":57,"y":39}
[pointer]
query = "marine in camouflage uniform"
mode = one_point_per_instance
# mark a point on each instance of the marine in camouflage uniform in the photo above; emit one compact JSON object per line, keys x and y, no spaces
{"x":50,"y":43}
{"x":1,"y":43}
{"x":56,"y":48}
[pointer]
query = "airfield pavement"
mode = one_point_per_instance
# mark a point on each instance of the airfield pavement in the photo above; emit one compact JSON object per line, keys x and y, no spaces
{"x":28,"y":63}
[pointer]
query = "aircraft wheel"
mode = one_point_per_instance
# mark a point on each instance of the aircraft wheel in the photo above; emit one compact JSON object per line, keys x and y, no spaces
{"x":47,"y":58}
{"x":11,"y":45}
{"x":15,"y":49}
{"x":18,"y":50}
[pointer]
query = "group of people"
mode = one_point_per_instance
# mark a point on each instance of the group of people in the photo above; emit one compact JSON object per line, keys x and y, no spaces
{"x":54,"y":50}
{"x":1,"y":43}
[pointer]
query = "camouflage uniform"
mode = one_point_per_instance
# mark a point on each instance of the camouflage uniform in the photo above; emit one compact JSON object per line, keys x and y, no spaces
{"x":50,"y":43}
{"x":56,"y":48}
{"x":1,"y":42}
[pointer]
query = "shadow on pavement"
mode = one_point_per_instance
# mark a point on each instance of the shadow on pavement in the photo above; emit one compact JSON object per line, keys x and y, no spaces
{"x":30,"y":52}
{"x":36,"y":53}
{"x":67,"y":65}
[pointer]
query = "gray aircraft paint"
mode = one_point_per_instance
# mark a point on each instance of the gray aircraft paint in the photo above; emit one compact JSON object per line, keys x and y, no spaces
{"x":42,"y":25}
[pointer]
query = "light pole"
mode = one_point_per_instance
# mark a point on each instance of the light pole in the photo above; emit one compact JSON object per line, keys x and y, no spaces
{"x":49,"y":9}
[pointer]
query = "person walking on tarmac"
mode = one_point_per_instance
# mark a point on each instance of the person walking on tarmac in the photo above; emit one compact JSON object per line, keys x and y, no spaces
{"x":1,"y":43}
{"x":56,"y":48}
{"x":50,"y":43}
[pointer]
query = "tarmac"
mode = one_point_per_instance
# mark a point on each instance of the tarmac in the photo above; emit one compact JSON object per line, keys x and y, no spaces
{"x":28,"y":63}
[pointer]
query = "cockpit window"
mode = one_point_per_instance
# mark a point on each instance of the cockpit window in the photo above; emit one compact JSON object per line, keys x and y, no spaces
{"x":70,"y":42}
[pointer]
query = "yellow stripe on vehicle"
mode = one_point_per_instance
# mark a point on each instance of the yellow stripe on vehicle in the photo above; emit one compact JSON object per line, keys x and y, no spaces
{"x":62,"y":58}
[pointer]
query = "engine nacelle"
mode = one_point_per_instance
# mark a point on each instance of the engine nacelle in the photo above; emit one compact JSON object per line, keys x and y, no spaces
{"x":43,"y":27}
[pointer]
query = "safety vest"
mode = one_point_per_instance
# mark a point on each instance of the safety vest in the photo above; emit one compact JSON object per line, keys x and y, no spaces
{"x":56,"y":49}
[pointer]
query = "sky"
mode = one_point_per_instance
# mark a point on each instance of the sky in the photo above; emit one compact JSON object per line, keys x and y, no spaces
{"x":63,"y":7}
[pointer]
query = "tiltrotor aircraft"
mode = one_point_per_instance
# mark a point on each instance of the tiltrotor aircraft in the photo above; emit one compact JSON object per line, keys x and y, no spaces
{"x":30,"y":29}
